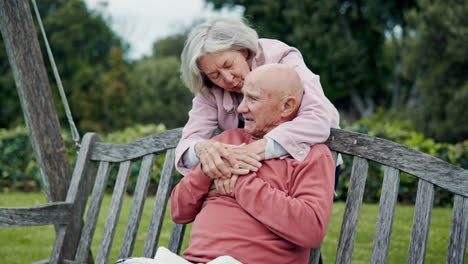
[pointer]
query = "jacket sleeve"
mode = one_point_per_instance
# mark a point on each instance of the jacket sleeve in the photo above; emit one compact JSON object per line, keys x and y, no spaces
{"x":202,"y":123}
{"x":316,"y":114}
{"x":188,"y":195}
{"x":301,"y":215}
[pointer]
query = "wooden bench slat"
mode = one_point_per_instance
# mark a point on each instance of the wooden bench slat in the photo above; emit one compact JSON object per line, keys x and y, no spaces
{"x":384,"y":223}
{"x":56,"y":255}
{"x":138,"y":148}
{"x":458,"y":231}
{"x":351,"y":214}
{"x":159,"y":208}
{"x":136,"y":211}
{"x":424,"y":166}
{"x":421,"y":222}
{"x":177,"y":235}
{"x":45,"y":214}
{"x":78,"y":195}
{"x":114,"y":212}
{"x":314,"y":256}
{"x":93,"y":211}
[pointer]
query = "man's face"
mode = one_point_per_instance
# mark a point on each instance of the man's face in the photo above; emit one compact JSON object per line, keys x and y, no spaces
{"x":260,"y":107}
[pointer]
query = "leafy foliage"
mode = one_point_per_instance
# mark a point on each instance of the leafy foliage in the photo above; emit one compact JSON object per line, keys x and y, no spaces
{"x":342,"y":41}
{"x":158,"y":94}
{"x":405,"y":134}
{"x":89,"y":56}
{"x":438,"y":63}
{"x":19,"y":170}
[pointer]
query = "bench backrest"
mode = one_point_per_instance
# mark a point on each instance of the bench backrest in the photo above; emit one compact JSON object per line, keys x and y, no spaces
{"x":396,"y":158}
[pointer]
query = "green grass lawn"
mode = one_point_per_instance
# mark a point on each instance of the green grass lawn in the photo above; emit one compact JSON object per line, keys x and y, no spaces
{"x":29,"y":244}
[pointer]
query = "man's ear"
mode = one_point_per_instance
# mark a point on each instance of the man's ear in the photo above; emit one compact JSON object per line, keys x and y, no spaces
{"x":288,"y":106}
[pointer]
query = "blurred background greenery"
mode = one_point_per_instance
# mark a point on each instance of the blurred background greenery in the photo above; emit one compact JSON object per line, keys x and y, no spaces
{"x":394,"y":69}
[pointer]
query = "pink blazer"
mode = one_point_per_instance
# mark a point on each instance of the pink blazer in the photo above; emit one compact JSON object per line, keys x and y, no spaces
{"x":219,"y":109}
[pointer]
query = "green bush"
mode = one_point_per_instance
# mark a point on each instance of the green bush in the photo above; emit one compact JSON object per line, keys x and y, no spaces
{"x":404,"y":133}
{"x":19,"y":170}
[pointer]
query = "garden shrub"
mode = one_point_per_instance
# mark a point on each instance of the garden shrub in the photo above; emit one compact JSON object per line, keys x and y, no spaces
{"x":19,"y":170}
{"x":405,"y":134}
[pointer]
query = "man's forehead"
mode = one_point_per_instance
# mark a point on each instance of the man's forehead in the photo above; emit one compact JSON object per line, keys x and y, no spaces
{"x":252,"y":85}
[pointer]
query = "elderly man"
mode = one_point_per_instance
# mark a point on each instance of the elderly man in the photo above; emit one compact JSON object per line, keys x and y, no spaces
{"x":274,"y":215}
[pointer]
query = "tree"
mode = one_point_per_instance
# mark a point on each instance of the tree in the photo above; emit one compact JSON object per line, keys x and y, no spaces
{"x":158,"y":94}
{"x":87,"y":53}
{"x":342,"y":41}
{"x":169,"y":46}
{"x":438,"y":63}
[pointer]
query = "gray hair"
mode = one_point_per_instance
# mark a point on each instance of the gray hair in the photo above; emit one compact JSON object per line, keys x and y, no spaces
{"x":217,"y":34}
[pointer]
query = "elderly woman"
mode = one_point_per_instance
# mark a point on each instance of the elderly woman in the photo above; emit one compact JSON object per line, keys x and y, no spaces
{"x":216,"y":58}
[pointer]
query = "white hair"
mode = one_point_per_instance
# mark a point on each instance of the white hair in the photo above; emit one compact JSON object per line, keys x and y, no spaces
{"x":217,"y":34}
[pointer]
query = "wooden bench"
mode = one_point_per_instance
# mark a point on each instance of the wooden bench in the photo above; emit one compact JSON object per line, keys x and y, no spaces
{"x":75,"y":230}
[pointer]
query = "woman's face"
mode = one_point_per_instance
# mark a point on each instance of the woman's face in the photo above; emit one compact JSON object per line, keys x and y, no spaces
{"x":227,"y":69}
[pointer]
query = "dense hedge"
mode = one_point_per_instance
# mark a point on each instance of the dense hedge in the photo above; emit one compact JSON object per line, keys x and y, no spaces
{"x":19,"y":172}
{"x":403,"y":133}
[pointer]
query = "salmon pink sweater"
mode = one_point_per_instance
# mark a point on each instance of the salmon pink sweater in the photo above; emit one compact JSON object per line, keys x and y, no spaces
{"x":276,"y":215}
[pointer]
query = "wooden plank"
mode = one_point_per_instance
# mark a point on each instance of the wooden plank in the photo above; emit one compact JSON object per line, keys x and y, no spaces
{"x":314,"y":256}
{"x":114,"y":212}
{"x":137,"y":208}
{"x":93,"y":211}
{"x":351,"y":214}
{"x":431,"y":169}
{"x":150,"y":144}
{"x":57,"y":252}
{"x":78,"y":195}
{"x":177,"y":237}
{"x":383,"y":229}
{"x":159,"y":209}
{"x":45,"y":214}
{"x":458,"y":231}
{"x":421,"y":222}
{"x":25,"y":57}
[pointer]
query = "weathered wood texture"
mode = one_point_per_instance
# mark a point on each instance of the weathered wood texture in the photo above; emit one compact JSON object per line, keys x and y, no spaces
{"x":93,"y":211}
{"x":458,"y":231}
{"x":431,"y":169}
{"x":78,"y":195}
{"x":47,"y":214}
{"x":159,"y":208}
{"x":114,"y":212}
{"x":24,"y":55}
{"x":137,"y":207}
{"x":314,"y":256}
{"x":383,"y":228}
{"x":177,"y":235}
{"x":352,"y":209}
{"x":150,"y":144}
{"x":421,"y":222}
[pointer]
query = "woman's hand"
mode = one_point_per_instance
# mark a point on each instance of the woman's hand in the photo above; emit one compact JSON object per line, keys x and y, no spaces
{"x":222,"y":160}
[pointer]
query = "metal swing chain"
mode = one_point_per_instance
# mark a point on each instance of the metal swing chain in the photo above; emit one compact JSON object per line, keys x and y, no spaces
{"x":74,"y":132}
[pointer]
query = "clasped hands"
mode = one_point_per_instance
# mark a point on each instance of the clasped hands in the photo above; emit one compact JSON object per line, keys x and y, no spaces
{"x":224,"y":163}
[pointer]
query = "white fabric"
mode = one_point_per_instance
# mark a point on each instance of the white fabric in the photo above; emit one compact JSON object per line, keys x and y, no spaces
{"x":165,"y":256}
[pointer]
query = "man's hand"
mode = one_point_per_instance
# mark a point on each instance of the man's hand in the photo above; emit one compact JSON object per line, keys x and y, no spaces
{"x":223,"y":160}
{"x":224,"y":186}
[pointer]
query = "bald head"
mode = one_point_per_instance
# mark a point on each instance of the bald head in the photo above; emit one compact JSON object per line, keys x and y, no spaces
{"x":278,"y":80}
{"x":272,"y":95}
